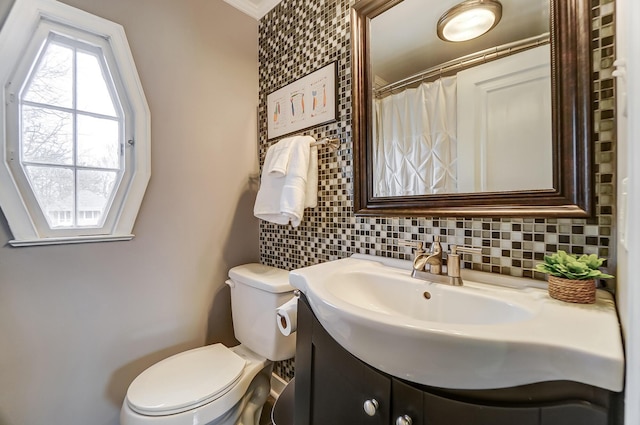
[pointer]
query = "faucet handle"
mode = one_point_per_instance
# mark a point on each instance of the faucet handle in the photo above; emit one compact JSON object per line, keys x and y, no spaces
{"x":418,"y":245}
{"x":465,"y":250}
{"x":453,"y":262}
{"x":436,"y":248}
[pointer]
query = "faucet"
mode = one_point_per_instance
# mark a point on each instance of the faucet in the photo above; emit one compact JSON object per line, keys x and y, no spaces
{"x":432,"y":261}
{"x":428,"y":266}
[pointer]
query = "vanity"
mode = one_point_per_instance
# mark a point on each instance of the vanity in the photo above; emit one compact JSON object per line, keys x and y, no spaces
{"x":378,"y":346}
{"x":476,"y":354}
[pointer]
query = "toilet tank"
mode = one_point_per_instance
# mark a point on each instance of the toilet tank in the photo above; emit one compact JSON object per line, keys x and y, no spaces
{"x":257,"y":291}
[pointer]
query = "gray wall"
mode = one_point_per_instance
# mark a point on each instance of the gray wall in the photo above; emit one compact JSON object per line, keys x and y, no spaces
{"x":79,"y":322}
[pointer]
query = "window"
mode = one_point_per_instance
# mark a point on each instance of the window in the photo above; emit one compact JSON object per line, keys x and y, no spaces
{"x":70,"y":133}
{"x":76,"y":133}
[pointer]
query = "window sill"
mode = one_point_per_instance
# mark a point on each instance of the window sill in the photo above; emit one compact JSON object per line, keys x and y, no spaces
{"x":70,"y":240}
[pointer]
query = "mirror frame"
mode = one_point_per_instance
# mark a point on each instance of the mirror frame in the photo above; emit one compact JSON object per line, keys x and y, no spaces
{"x":571,"y":86}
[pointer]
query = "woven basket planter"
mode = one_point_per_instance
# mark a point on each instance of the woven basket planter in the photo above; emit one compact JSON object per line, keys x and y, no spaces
{"x":572,"y":291}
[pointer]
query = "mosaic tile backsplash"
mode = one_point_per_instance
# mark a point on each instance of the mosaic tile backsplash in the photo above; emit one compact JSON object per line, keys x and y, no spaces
{"x":300,"y":36}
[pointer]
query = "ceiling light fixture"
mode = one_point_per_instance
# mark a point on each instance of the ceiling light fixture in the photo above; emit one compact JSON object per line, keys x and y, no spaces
{"x":469,"y":19}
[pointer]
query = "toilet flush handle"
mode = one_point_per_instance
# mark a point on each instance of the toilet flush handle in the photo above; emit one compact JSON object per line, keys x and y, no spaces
{"x":231,"y":283}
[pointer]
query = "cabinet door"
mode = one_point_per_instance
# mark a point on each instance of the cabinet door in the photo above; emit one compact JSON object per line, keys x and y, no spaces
{"x":443,"y":411}
{"x":304,"y":360}
{"x":342,"y":385}
{"x":406,"y":401}
{"x":335,"y":385}
{"x":582,"y":413}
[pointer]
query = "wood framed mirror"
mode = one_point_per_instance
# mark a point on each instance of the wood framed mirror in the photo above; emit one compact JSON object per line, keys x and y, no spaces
{"x":569,"y":192}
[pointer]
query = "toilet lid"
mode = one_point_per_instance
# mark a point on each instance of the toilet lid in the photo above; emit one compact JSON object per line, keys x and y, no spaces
{"x":185,"y":381}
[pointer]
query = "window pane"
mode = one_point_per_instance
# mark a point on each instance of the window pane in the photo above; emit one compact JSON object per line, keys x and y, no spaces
{"x":93,"y":94}
{"x":53,"y":78}
{"x":53,"y":188}
{"x":98,"y":142}
{"x":94,"y":192}
{"x":47,"y":136}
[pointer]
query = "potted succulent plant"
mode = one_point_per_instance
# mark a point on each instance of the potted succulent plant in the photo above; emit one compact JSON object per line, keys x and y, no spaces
{"x":572,"y":278}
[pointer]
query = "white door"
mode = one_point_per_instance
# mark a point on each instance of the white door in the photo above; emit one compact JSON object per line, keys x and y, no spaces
{"x":628,"y":203}
{"x":504,"y":124}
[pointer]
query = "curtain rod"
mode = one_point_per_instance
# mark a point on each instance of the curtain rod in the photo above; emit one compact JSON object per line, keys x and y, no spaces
{"x":467,"y":61}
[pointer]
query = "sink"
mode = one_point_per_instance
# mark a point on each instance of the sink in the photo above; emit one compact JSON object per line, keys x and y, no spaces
{"x":412,"y":301}
{"x":496,"y":331}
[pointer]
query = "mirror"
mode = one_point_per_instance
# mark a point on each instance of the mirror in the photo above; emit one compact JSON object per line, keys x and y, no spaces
{"x":536,"y":162}
{"x":461,"y":117}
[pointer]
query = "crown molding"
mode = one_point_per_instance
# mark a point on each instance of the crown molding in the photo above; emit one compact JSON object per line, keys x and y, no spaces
{"x":254,"y":8}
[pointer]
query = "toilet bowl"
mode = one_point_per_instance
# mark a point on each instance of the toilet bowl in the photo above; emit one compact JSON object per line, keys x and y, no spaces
{"x":216,"y":385}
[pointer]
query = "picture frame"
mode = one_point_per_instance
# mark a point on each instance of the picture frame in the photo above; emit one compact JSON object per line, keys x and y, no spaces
{"x":304,"y":103}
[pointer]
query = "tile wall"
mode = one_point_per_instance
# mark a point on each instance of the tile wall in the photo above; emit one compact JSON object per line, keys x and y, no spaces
{"x":300,"y":36}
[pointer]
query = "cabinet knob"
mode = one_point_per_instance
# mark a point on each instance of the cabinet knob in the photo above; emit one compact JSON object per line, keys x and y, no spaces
{"x":371,"y":407}
{"x":404,"y":420}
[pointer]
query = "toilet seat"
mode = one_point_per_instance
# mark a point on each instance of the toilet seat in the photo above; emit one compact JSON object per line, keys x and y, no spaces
{"x":178,"y":384}
{"x":224,"y":409}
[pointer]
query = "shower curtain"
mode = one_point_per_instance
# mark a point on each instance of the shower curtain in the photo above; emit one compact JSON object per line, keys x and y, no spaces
{"x":414,"y":140}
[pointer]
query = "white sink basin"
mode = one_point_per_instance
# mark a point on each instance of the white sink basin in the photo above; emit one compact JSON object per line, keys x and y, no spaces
{"x":478,"y":336}
{"x":387,"y":292}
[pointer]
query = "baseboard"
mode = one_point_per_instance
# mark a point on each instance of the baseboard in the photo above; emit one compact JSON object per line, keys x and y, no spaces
{"x":277,"y":385}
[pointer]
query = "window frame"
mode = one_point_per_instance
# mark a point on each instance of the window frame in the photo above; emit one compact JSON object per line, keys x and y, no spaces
{"x":26,"y":29}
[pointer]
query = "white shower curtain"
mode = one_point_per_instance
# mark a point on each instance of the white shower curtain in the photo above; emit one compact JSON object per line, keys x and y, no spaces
{"x":414,"y":140}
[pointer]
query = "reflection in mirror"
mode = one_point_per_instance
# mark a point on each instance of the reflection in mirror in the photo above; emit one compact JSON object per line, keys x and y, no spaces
{"x":471,"y":116}
{"x":496,"y":126}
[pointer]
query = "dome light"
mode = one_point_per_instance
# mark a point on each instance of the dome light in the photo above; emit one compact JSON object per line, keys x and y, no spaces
{"x":469,"y":19}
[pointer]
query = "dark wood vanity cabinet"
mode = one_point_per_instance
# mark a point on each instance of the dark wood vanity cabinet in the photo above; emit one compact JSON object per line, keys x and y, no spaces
{"x":332,"y":388}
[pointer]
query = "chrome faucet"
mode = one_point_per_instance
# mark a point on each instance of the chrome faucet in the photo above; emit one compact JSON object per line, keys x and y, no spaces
{"x":428,"y":266}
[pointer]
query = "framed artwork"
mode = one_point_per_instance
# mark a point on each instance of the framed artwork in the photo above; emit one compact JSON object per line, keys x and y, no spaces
{"x":305,"y":103}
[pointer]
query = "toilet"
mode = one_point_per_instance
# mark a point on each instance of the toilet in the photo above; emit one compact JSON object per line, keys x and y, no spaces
{"x":216,"y":385}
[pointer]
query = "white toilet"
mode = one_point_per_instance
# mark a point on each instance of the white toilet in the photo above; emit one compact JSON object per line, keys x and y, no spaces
{"x":216,"y":385}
